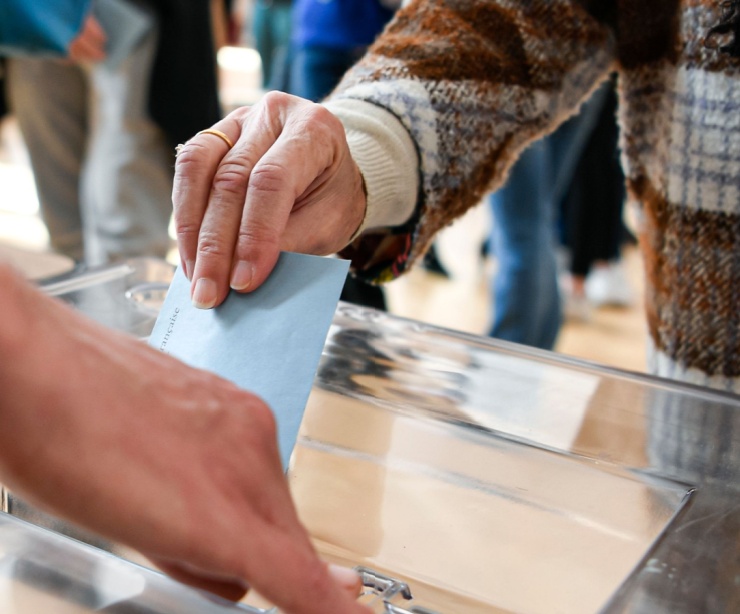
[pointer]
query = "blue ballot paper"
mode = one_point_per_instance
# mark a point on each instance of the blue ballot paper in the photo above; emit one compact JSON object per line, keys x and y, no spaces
{"x":268,"y":341}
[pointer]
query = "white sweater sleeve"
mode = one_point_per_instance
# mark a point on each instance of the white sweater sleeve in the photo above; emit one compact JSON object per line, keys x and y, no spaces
{"x":387,"y":158}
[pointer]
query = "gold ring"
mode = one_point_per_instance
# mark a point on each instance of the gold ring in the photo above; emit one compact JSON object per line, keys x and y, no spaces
{"x":219,"y":134}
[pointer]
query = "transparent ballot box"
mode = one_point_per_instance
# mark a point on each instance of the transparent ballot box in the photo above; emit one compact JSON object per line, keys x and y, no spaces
{"x":44,"y":572}
{"x":460,"y":474}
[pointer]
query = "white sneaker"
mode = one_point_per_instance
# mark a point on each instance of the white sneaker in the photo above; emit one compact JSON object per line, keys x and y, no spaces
{"x":576,"y":306}
{"x":608,"y":285}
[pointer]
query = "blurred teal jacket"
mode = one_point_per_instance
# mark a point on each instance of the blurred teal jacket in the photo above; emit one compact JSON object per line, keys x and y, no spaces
{"x":40,"y":27}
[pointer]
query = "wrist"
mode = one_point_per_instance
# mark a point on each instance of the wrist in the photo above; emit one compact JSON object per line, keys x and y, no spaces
{"x":363,"y":201}
{"x":386,"y":156}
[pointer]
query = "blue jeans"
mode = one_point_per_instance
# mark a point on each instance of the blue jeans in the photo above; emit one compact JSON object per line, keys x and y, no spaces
{"x":315,"y":71}
{"x":525,"y":293}
{"x":271,"y":24}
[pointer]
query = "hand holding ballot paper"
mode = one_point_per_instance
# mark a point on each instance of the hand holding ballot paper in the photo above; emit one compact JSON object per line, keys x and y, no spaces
{"x":171,"y":460}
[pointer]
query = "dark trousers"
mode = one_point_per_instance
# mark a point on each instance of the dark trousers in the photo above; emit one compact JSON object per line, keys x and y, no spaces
{"x":592,"y":208}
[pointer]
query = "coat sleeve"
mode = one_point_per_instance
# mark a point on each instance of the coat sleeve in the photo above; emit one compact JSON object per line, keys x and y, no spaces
{"x":473,"y":83}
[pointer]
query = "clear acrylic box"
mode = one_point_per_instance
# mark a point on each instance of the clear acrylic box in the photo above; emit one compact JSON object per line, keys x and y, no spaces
{"x":466,"y":475}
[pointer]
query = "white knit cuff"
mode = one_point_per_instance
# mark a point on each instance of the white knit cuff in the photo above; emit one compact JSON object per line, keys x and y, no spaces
{"x":387,"y":158}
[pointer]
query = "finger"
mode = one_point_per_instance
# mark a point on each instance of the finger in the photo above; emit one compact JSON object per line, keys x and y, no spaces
{"x":305,"y":154}
{"x":195,"y":168}
{"x":347,"y":586}
{"x":303,"y":584}
{"x":230,"y":186}
{"x":346,"y":579}
{"x":233,"y":590}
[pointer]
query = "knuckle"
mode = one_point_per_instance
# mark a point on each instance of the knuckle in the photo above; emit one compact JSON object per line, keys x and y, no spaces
{"x":240,"y":113}
{"x":323,"y":123}
{"x":211,"y":246}
{"x":320,"y":115}
{"x":189,"y":157}
{"x":186,"y":230}
{"x":268,"y":177}
{"x":257,"y":233}
{"x":274,"y":100}
{"x":256,"y":416}
{"x":230,"y":179}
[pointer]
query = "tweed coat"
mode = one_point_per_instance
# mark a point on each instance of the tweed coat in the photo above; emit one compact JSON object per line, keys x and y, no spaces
{"x":474,"y":82}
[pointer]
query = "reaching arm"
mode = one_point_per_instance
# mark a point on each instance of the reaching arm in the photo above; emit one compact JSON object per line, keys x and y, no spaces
{"x":469,"y":84}
{"x":473,"y":83}
{"x":175,"y":462}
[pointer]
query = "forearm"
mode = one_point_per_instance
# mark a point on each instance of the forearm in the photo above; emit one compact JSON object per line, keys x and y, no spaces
{"x":473,"y":100}
{"x":51,"y":356}
{"x":12,"y":324}
{"x":20,"y":370}
{"x":18,"y":304}
{"x":195,"y":459}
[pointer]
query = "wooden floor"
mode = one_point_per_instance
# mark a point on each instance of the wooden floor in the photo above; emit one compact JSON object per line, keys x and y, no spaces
{"x":613,"y":336}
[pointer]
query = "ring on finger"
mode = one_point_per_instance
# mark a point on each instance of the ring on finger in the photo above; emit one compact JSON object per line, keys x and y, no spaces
{"x":219,"y":134}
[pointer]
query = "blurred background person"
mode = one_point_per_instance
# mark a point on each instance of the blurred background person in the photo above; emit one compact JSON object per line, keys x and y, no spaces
{"x":592,"y":218}
{"x":568,"y":183}
{"x":328,"y":37}
{"x":3,"y":101}
{"x":101,"y":125}
{"x":4,"y":111}
{"x":269,"y":30}
{"x":524,"y":287}
{"x":525,"y":293}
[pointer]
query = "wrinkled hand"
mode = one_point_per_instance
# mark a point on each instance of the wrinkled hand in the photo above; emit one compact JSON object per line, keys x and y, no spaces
{"x":89,"y":44}
{"x":289,"y":183}
{"x":175,"y":462}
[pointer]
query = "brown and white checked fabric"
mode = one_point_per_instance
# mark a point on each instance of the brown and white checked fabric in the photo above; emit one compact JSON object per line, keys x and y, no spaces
{"x":474,"y":82}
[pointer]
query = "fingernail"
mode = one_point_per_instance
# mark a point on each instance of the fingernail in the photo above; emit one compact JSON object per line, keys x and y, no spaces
{"x":241,"y":276}
{"x":189,"y":268}
{"x":204,"y":293}
{"x":344,"y":576}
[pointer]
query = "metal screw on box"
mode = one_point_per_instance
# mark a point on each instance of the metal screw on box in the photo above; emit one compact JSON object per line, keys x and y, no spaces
{"x":387,"y":589}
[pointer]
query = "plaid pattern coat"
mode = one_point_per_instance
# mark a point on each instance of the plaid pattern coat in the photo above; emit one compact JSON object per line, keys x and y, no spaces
{"x":474,"y":82}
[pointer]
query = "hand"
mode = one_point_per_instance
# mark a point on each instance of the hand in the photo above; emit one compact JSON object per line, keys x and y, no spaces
{"x":89,"y":44}
{"x":175,"y":462}
{"x":289,"y":183}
